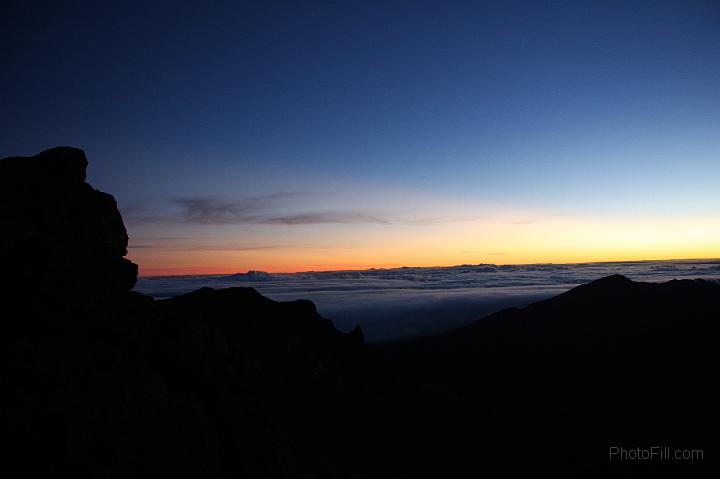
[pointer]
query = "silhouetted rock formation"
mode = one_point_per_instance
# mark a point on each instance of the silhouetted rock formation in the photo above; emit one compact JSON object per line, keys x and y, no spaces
{"x":104,"y":382}
{"x":61,"y":234}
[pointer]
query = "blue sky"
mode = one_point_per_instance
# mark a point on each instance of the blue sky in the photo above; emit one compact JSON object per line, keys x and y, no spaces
{"x":589,"y":109}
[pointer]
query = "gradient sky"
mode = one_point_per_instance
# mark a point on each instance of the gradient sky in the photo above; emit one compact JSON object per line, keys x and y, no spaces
{"x":332,"y":135}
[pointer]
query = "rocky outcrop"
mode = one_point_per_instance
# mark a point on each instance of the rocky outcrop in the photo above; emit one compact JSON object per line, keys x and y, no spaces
{"x":105,"y":382}
{"x":60,"y":233}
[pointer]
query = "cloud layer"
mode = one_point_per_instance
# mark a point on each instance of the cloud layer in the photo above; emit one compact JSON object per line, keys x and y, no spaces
{"x":407,"y":302}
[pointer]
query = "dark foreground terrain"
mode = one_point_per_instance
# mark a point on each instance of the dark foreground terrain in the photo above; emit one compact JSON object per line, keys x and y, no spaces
{"x":105,"y":382}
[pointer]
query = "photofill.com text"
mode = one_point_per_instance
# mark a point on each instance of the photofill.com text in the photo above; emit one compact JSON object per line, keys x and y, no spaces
{"x":655,"y":453}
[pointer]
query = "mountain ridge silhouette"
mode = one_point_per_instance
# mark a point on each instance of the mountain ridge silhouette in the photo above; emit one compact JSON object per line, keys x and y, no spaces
{"x":104,"y":381}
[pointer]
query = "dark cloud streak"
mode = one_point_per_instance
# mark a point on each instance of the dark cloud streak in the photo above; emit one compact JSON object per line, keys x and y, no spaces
{"x":262,"y":210}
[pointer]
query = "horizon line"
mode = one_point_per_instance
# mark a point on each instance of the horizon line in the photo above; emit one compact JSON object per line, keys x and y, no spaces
{"x":427,"y":267}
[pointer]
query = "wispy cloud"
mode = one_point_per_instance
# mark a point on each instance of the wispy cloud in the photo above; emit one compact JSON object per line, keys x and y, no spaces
{"x":267,"y":210}
{"x":203,"y":210}
{"x":320,"y":217}
{"x":171,"y":244}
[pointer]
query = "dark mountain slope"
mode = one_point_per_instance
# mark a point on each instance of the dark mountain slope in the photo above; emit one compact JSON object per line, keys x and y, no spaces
{"x":555,"y":384}
{"x":609,"y":331}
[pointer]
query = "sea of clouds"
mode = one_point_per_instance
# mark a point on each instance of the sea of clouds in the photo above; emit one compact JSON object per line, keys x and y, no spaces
{"x":408,"y":302}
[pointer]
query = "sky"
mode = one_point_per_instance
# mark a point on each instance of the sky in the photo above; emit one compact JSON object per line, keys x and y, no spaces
{"x":295,"y":136}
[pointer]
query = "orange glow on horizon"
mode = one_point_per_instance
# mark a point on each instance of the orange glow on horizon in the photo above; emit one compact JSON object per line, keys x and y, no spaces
{"x":548,"y":240}
{"x":203,"y":270}
{"x":210,"y":270}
